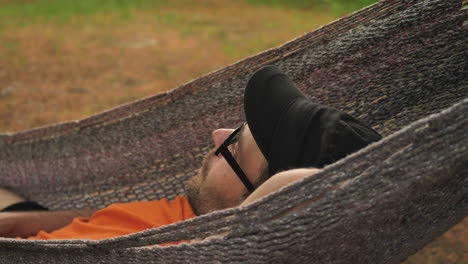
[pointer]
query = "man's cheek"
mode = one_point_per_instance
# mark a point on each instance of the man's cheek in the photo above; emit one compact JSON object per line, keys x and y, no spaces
{"x":228,"y":185}
{"x":222,"y":180}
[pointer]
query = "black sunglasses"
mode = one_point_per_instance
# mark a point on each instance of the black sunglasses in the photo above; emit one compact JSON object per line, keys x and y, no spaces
{"x":223,"y":150}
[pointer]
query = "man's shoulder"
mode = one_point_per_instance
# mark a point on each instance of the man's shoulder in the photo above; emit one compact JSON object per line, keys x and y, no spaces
{"x":177,"y":201}
{"x":177,"y":209}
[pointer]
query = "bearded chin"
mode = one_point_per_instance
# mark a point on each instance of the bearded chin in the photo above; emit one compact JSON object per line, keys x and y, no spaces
{"x":194,"y":186}
{"x":193,"y":195}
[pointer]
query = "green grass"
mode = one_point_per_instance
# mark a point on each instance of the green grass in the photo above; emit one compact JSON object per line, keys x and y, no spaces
{"x":25,"y":13}
{"x":62,"y":10}
{"x":338,"y":7}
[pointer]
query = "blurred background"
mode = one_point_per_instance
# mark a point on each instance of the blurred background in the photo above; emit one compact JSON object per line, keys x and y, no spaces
{"x":64,"y":60}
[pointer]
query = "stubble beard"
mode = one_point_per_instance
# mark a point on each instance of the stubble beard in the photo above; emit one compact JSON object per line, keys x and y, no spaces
{"x":198,"y":194}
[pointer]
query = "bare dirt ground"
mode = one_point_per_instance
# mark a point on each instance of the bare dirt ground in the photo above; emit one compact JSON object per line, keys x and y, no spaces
{"x":52,"y":72}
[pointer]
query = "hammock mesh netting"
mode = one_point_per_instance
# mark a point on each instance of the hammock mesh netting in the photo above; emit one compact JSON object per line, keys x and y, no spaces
{"x":399,"y":66}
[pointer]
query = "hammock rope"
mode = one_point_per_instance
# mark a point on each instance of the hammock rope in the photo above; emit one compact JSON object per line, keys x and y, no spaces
{"x":400,"y":66}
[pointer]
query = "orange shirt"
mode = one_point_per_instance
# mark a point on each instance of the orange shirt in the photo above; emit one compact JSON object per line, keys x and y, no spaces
{"x":122,"y":219}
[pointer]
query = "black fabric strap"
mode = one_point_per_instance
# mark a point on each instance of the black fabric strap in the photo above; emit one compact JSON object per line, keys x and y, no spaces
{"x":24,"y":206}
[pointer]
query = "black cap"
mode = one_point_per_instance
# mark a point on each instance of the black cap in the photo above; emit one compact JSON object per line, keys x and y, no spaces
{"x":293,"y":132}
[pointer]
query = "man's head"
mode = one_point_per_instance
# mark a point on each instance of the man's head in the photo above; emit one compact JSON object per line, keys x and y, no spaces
{"x":284,"y":131}
{"x":216,"y":186}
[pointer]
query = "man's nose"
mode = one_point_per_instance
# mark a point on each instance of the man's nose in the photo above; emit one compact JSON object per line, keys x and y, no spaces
{"x":220,"y":135}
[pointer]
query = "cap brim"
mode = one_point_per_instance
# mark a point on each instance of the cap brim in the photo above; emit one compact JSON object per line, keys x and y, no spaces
{"x":268,"y":94}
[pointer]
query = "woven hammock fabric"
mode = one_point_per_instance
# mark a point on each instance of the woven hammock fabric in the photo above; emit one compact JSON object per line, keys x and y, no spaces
{"x":399,"y":66}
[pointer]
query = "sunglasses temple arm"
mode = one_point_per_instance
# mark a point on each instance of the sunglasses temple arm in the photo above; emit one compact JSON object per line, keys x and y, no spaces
{"x":230,"y":159}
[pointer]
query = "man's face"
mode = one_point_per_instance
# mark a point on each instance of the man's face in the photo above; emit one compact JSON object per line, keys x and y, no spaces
{"x":216,"y":186}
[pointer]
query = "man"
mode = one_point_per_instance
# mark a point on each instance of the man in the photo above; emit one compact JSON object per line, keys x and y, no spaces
{"x":284,"y":131}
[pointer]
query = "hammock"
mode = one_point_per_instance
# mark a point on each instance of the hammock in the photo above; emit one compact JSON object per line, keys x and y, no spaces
{"x":399,"y":66}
